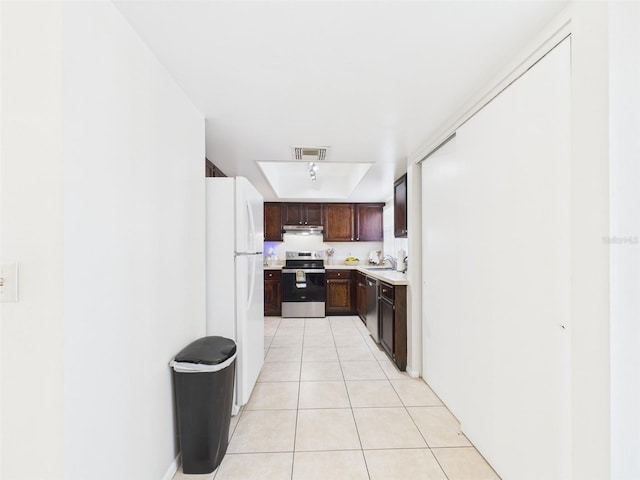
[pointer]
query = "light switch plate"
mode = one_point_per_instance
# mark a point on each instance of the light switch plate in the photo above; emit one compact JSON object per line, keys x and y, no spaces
{"x":9,"y":287}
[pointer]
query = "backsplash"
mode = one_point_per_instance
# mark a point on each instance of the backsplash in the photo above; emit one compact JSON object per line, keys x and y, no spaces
{"x":315,"y":242}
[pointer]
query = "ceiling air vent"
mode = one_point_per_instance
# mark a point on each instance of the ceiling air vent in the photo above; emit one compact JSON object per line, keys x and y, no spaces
{"x":310,"y":154}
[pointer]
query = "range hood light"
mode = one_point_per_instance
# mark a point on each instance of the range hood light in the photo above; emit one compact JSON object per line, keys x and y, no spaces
{"x":303,"y":229}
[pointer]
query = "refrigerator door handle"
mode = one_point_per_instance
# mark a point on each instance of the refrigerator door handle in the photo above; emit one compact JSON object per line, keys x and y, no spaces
{"x":252,"y":227}
{"x":252,"y":280}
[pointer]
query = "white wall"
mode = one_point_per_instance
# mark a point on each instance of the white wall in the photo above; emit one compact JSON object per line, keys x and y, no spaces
{"x":1,"y":156}
{"x":133,"y":246}
{"x":496,"y":274}
{"x":624,"y":150}
{"x":590,"y":372}
{"x":414,"y":273}
{"x":391,"y":244}
{"x":32,"y":232}
{"x":103,"y":207}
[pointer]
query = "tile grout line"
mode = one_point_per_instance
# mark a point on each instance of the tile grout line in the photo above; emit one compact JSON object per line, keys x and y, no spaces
{"x":420,"y":431}
{"x":387,"y":373}
{"x":353,"y":415}
{"x":404,"y":406}
{"x":439,"y":464}
{"x":418,"y":428}
{"x":295,"y":426}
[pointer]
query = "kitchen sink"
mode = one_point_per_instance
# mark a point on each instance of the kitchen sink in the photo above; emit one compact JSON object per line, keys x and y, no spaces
{"x":378,"y":268}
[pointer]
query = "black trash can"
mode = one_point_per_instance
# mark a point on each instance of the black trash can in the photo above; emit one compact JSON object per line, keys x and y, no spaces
{"x":204,"y":372}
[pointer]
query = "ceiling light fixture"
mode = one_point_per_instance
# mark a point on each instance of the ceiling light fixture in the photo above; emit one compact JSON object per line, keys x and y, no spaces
{"x":313,"y":169}
{"x":292,"y":180}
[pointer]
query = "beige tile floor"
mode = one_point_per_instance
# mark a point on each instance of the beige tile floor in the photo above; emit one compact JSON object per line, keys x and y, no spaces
{"x":329,"y":404}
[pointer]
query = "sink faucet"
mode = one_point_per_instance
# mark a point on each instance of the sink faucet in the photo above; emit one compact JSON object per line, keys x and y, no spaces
{"x":392,"y":261}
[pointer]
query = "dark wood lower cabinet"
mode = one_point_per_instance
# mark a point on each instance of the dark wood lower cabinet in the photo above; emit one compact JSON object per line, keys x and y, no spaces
{"x":341,"y":295}
{"x":392,"y":309}
{"x":361,"y":296}
{"x":272,"y":293}
{"x":386,"y":325}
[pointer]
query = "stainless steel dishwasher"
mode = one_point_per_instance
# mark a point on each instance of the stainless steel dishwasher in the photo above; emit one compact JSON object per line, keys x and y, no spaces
{"x":372,"y":308}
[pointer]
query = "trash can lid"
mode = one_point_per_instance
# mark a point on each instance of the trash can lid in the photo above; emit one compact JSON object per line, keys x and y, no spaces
{"x":207,"y":351}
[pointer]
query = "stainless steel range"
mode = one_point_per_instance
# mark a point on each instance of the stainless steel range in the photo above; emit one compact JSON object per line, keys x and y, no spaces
{"x":304,"y":285}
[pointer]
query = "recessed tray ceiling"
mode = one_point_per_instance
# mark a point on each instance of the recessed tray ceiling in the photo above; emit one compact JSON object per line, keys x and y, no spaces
{"x":334,"y":180}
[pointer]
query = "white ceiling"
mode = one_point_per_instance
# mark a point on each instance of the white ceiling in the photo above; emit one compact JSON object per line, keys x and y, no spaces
{"x":370,"y":79}
{"x":333,"y":180}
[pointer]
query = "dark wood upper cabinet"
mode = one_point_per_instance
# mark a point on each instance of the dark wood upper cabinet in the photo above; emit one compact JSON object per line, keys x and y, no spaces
{"x":292,"y":213}
{"x":400,"y":207}
{"x":342,"y":222}
{"x":273,"y":221}
{"x":210,"y":170}
{"x":302,"y":213}
{"x":339,"y":222}
{"x":369,"y":222}
{"x":313,"y":213}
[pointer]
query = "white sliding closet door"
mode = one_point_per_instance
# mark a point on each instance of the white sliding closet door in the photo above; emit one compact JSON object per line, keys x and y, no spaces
{"x":496,"y":272}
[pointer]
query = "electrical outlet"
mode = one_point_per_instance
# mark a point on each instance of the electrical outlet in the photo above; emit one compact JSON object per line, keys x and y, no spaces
{"x":9,"y":283}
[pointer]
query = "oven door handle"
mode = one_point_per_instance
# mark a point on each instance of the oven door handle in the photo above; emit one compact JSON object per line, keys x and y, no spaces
{"x":305,"y":270}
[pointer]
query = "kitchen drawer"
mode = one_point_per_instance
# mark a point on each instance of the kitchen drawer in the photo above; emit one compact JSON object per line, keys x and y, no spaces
{"x":272,"y":274}
{"x":339,"y":274}
{"x":386,"y":291}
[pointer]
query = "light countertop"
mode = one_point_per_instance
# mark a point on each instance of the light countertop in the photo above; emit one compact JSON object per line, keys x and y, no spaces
{"x":273,"y":267}
{"x":390,"y":276}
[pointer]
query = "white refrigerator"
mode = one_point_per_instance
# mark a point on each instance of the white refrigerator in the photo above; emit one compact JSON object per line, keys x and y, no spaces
{"x":235,"y":276}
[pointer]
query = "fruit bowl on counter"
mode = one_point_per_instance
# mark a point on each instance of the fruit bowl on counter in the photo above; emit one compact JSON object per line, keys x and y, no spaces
{"x":351,"y":261}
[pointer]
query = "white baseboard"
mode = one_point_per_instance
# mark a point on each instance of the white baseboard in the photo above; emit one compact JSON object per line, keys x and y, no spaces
{"x":412,"y":373}
{"x":173,"y":468}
